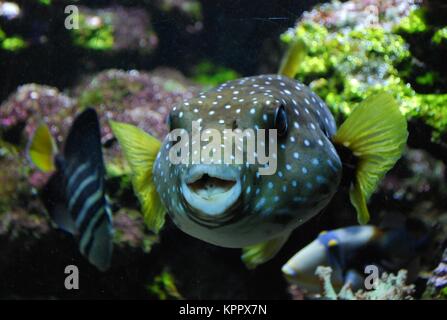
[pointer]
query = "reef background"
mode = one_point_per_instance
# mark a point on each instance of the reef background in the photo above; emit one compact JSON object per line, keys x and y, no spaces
{"x":132,"y":60}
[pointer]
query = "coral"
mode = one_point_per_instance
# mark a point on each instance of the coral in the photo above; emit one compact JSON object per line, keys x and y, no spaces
{"x":357,"y":48}
{"x":361,"y":13}
{"x":208,"y":74}
{"x":419,"y":178}
{"x":324,"y":273}
{"x":163,"y":287}
{"x":188,"y":13}
{"x":12,"y":182}
{"x":19,"y":222}
{"x":437,"y":283}
{"x":440,"y":36}
{"x":33,"y":103}
{"x":20,"y":114}
{"x":140,"y":98}
{"x":13,"y":43}
{"x":387,"y":287}
{"x":10,"y":11}
{"x":130,"y":230}
{"x":115,"y":28}
{"x":415,"y":22}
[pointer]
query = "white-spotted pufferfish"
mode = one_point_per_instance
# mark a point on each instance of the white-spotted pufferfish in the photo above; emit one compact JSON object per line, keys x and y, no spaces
{"x":232,"y":205}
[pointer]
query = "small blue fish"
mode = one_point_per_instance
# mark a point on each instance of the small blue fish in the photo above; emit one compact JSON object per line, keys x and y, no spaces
{"x":349,"y":250}
{"x":74,"y":195}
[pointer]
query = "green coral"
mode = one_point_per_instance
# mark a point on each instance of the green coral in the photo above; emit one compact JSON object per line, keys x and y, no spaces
{"x":353,"y":64}
{"x":13,"y":43}
{"x":440,"y":36}
{"x":415,"y":22}
{"x":45,"y":2}
{"x":208,"y":74}
{"x":95,"y":33}
{"x":193,"y":9}
{"x":164,"y":287}
{"x":346,"y":65}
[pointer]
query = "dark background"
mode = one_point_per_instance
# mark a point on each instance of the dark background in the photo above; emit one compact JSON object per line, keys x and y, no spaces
{"x":242,"y":35}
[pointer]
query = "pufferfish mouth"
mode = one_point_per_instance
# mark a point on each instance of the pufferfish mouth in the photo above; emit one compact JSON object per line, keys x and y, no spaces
{"x":211,"y":190}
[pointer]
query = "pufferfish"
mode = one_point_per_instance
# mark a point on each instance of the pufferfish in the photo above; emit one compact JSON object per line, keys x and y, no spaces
{"x":232,"y":205}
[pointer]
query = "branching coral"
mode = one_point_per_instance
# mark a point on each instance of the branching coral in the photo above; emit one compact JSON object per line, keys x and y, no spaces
{"x":387,"y":287}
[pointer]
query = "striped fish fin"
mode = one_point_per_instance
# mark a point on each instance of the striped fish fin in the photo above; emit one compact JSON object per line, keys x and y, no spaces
{"x":87,"y":204}
{"x":54,"y":199}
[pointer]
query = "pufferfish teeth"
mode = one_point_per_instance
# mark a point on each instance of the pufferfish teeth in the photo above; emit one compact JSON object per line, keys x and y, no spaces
{"x":211,"y":190}
{"x":196,"y":172}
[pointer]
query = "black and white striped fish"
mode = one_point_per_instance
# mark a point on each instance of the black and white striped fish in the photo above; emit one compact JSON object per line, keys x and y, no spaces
{"x":74,"y":195}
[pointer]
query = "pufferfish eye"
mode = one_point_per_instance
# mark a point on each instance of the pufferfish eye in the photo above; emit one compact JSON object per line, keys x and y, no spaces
{"x":280,"y":123}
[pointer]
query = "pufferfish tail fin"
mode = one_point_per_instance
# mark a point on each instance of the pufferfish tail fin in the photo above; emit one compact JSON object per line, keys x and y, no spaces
{"x":42,"y":149}
{"x":376,"y":133}
{"x":140,"y":150}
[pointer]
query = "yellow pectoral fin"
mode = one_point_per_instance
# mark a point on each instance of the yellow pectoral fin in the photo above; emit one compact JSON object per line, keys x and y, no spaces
{"x":358,"y":200}
{"x":376,"y":133}
{"x":257,"y":254}
{"x":140,"y":150}
{"x":42,"y":149}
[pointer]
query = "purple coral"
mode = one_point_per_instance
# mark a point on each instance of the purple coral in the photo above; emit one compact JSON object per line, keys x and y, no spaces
{"x":439,"y":278}
{"x":141,"y":98}
{"x":33,"y":103}
{"x":361,"y":13}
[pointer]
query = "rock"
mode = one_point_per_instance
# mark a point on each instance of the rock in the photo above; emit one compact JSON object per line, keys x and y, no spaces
{"x":116,"y":29}
{"x":140,"y":98}
{"x":189,"y":13}
{"x":31,"y":104}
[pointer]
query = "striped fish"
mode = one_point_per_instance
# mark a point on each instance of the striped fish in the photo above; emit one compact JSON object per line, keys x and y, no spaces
{"x":75,"y":195}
